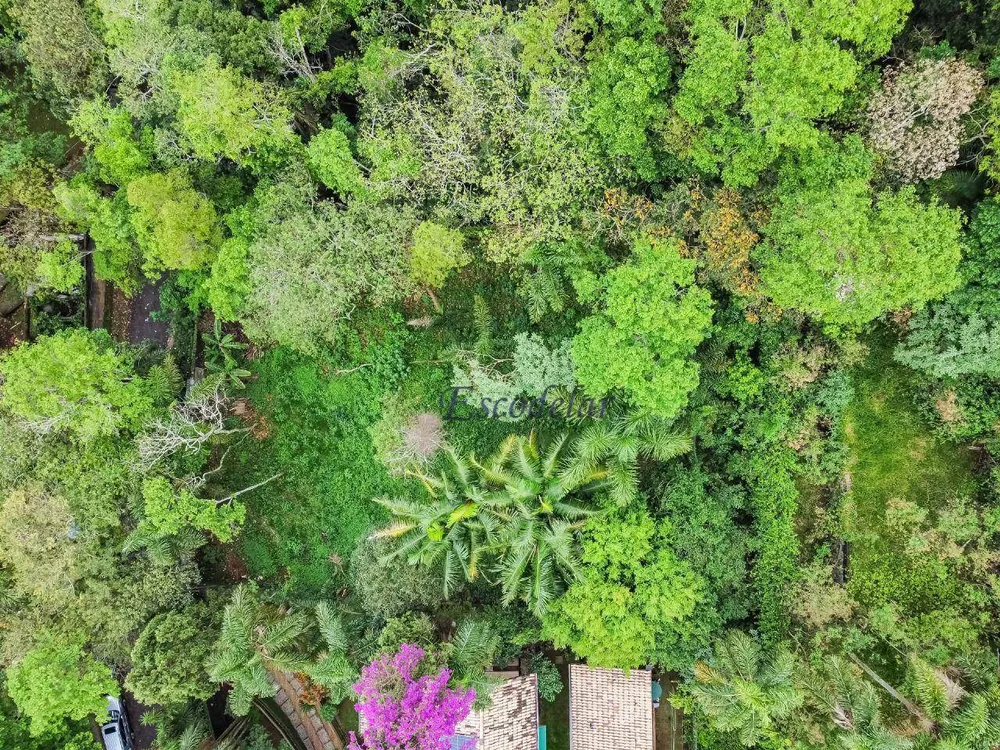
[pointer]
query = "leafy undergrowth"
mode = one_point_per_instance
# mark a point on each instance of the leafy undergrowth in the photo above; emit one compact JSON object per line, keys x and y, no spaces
{"x":315,"y":416}
{"x":896,"y":459}
{"x":305,"y":525}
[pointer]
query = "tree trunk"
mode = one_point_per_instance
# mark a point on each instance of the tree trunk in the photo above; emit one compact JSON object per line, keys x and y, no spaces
{"x":907,"y":704}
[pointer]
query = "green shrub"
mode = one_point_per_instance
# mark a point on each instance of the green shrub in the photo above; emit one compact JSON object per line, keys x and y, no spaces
{"x":549,"y":682}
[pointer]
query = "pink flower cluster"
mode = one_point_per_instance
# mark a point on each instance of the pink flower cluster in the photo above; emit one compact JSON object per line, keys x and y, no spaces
{"x":405,"y":711}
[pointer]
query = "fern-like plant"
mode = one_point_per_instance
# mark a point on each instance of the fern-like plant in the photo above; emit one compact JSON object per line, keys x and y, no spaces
{"x":522,"y":509}
{"x":180,"y":727}
{"x":745,"y":690}
{"x":223,"y":354}
{"x":165,"y":381}
{"x":256,"y":639}
{"x":332,"y":669}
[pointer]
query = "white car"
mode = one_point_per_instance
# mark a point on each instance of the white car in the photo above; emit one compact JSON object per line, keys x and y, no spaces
{"x":115,"y":733}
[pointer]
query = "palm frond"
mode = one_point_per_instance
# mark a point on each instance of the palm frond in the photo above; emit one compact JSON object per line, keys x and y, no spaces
{"x":331,"y":627}
{"x":551,"y":459}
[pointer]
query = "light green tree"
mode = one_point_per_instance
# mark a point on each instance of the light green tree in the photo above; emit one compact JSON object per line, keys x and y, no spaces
{"x":110,"y":133}
{"x":650,"y":319}
{"x":626,"y":101}
{"x":57,"y":680}
{"x":35,"y":530}
{"x":332,"y":163}
{"x":176,"y":227}
{"x":168,"y":512}
{"x":223,"y":114}
{"x":74,"y":382}
{"x":436,"y":251}
{"x":229,"y":284}
{"x":632,"y":589}
{"x":796,"y":78}
{"x":759,"y":78}
{"x":117,"y":257}
{"x":840,"y":253}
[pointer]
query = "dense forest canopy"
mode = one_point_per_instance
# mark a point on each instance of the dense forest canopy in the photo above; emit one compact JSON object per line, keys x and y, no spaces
{"x":374,"y":347}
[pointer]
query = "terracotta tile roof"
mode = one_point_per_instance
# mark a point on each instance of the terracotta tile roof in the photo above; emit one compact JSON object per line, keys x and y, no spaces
{"x":609,"y":710}
{"x":511,"y":720}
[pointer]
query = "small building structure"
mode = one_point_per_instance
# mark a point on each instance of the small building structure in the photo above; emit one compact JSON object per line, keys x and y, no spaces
{"x":610,"y":709}
{"x":510,"y":722}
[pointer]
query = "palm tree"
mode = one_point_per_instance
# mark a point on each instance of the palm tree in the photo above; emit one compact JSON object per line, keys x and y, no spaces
{"x":534,"y":517}
{"x":854,"y":706}
{"x":257,"y":639}
{"x":945,"y":713}
{"x":449,"y":530}
{"x":618,"y":442}
{"x":470,"y":653}
{"x":962,"y":720}
{"x":976,"y":724}
{"x":519,"y":507}
{"x":745,"y":690}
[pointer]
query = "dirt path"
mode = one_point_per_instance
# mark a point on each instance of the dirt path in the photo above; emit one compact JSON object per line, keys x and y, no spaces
{"x":667,"y":720}
{"x":142,"y":734}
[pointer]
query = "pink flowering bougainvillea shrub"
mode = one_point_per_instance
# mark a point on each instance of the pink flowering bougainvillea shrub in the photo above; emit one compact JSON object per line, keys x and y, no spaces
{"x":403,"y":708}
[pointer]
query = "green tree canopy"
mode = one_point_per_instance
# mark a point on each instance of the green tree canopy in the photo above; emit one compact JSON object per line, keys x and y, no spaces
{"x":15,"y":731}
{"x":958,"y":335}
{"x":760,"y":76}
{"x":651,"y":317}
{"x":312,"y":263}
{"x":332,"y":162}
{"x":36,"y":530}
{"x":840,"y":253}
{"x":176,"y":227}
{"x":436,"y":251}
{"x":222,"y":113}
{"x":58,"y":680}
{"x":168,"y":658}
{"x":74,"y":382}
{"x":633,"y":588}
{"x":120,"y":154}
{"x":167,"y":512}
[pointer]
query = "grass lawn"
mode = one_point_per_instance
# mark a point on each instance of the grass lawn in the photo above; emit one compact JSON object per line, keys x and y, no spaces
{"x":894,"y":456}
{"x":555,"y":715}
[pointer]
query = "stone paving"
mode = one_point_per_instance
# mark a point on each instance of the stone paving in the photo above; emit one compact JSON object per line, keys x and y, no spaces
{"x":316,"y":733}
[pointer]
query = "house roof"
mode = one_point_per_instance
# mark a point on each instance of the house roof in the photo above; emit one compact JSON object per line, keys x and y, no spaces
{"x":511,"y":720}
{"x":610,"y":709}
